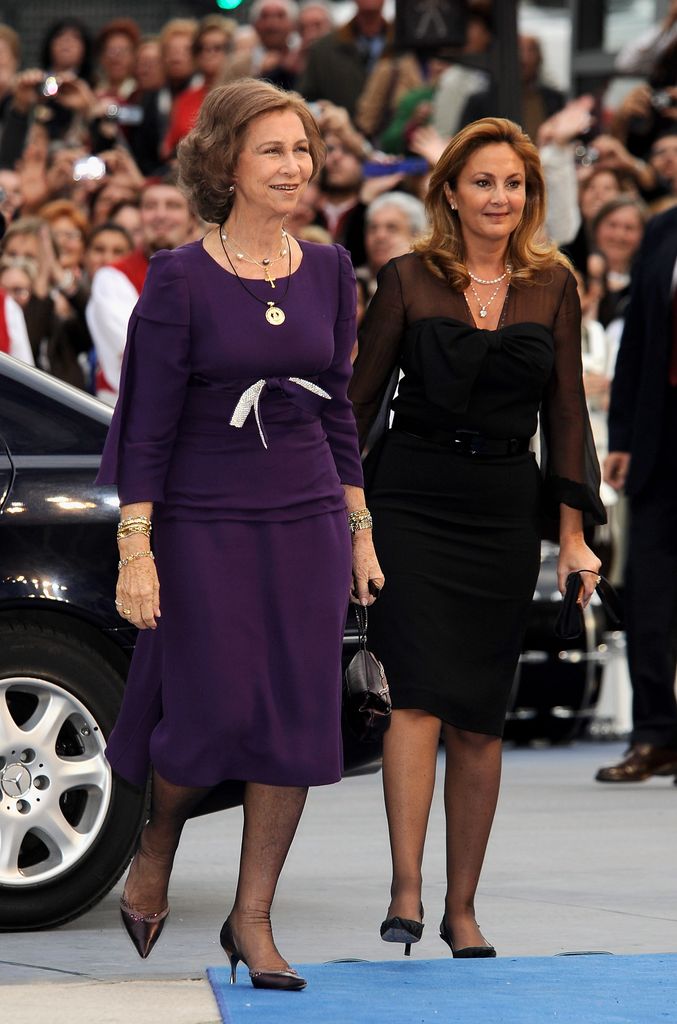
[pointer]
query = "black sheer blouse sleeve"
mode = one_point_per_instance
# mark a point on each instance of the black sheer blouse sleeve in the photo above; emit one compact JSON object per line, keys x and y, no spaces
{"x":568,"y":458}
{"x":378,"y":355}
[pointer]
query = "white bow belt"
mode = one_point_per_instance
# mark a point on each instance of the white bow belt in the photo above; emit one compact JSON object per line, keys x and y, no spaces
{"x":251,"y":398}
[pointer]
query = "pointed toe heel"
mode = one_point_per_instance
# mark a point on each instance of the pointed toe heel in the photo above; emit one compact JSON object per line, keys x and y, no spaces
{"x":287,"y":980}
{"x":466,"y":952}
{"x":144,"y":930}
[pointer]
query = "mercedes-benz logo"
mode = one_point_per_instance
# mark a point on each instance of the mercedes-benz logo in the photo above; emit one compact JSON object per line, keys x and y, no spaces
{"x":15,"y":780}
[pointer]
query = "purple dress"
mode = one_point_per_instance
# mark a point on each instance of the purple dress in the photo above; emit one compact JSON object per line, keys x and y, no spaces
{"x":241,"y":679}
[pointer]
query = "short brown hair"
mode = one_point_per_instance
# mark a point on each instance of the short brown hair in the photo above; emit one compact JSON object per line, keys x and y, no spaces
{"x":64,"y":208}
{"x":208,"y":155}
{"x":443,"y":250}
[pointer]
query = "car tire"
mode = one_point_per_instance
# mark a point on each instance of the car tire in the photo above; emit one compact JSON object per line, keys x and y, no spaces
{"x":67,"y":825}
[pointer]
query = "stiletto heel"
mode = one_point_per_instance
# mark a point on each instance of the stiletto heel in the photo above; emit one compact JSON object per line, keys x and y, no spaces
{"x":143,"y":929}
{"x":402,"y":929}
{"x":287,"y":980}
{"x":466,"y":952}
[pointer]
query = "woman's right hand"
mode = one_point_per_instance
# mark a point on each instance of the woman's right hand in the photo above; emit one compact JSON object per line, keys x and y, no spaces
{"x":137,"y":596}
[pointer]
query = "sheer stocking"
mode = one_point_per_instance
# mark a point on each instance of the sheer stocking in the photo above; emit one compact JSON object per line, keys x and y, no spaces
{"x":409,"y":757}
{"x":472,"y":778}
{"x":148,"y":879}
{"x":271,"y":816}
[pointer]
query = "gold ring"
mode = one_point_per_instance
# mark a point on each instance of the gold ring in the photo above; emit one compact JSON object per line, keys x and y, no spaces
{"x":126,"y":611}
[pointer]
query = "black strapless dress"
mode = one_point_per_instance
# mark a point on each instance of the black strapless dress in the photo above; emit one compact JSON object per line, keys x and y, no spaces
{"x":458,"y":536}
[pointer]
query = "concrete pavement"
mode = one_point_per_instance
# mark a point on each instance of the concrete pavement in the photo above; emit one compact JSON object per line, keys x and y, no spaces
{"x":572,"y":865}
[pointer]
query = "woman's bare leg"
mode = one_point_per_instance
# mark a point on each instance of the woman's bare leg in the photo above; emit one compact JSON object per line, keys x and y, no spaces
{"x":409,"y":758}
{"x":148,"y":879}
{"x":472,"y":779}
{"x":271,"y":815}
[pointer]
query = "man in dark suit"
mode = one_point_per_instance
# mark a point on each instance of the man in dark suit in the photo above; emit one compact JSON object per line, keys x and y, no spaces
{"x":643,"y":460}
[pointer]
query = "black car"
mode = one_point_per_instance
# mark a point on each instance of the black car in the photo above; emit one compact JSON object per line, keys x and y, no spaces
{"x":67,"y":824}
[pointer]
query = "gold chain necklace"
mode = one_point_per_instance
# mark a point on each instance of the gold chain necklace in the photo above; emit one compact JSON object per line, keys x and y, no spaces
{"x":274,"y":315}
{"x":264,"y":264}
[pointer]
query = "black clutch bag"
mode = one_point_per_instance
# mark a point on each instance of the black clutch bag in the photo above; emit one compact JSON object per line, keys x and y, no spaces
{"x":366,"y":697}
{"x":569,"y":622}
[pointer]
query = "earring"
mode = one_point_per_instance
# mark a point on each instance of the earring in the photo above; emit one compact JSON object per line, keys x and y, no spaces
{"x":452,"y":206}
{"x":231,"y":188}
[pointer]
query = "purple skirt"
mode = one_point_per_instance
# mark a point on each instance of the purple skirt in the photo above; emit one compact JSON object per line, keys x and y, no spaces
{"x":242,"y":678}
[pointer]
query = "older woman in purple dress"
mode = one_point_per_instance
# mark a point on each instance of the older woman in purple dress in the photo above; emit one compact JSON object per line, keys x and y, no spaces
{"x":234,"y":435}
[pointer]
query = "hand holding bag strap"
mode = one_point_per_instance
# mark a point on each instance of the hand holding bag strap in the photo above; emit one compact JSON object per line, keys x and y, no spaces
{"x":569,"y":622}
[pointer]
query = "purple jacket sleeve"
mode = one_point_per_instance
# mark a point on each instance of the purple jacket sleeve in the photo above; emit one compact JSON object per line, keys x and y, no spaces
{"x":337,"y":418}
{"x":155,"y":370}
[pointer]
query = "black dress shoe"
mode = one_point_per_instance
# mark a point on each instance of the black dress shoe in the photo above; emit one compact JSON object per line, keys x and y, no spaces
{"x":402,"y":929}
{"x":640,"y":762}
{"x":465,"y":952}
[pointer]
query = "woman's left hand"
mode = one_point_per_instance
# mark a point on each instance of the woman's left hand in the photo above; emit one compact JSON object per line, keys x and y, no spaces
{"x":367,"y":576}
{"x":574,"y":554}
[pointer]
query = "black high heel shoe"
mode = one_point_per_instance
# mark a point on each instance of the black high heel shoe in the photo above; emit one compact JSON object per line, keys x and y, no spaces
{"x":289,"y":979}
{"x":143,"y":929}
{"x":466,"y":952}
{"x":402,"y":929}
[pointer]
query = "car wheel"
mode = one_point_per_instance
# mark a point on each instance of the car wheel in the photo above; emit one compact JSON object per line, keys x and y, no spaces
{"x":67,"y":825}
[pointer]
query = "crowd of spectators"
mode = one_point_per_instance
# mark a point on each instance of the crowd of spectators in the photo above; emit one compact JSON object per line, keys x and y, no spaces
{"x":88,"y":143}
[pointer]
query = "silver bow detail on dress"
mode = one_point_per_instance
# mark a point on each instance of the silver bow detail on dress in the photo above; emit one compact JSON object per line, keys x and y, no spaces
{"x":251,"y":398}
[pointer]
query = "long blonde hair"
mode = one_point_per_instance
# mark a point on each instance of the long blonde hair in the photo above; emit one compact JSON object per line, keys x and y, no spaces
{"x":443,"y":250}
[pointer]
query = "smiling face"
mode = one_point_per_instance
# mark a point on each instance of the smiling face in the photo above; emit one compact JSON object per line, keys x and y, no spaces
{"x":598,"y":190}
{"x":274,"y":165}
{"x":618,"y":236}
{"x":166,"y":219}
{"x":490,"y":194}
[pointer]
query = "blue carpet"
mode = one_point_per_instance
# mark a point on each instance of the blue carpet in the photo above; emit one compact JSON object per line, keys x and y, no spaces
{"x":529,"y":990}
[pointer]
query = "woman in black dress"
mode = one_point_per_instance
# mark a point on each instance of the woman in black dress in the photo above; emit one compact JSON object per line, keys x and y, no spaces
{"x":483,"y":320}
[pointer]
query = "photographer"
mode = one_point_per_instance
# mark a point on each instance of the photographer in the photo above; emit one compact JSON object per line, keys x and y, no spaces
{"x":61,"y":104}
{"x":650,"y":110}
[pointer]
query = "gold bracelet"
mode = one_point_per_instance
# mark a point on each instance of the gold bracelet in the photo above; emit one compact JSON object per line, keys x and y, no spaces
{"x":133,"y":558}
{"x":129,"y":529}
{"x":133,"y":519}
{"x":360,"y":520}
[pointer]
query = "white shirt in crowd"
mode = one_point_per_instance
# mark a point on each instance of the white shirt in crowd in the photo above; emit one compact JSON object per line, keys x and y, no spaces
{"x":108,"y":311}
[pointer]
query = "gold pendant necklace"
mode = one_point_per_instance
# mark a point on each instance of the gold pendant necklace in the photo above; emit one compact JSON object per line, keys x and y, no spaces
{"x":264,"y":264}
{"x":273,"y":314}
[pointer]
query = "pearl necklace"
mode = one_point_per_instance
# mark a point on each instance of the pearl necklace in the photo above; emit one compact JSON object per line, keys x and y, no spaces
{"x":493,"y":280}
{"x":484,"y":306}
{"x":264,"y":264}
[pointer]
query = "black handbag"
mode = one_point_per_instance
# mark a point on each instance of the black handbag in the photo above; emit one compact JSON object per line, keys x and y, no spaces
{"x":569,"y":622}
{"x":366,"y":697}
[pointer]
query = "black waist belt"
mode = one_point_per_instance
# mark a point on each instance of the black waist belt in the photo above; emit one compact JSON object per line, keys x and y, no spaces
{"x":463,"y":442}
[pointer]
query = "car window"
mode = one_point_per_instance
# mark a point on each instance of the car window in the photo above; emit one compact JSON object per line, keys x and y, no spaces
{"x":36,"y":422}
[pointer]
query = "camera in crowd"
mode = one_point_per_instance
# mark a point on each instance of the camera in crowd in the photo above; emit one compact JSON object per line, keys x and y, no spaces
{"x":661,"y":99}
{"x":585,"y":156}
{"x":89,"y":168}
{"x":50,"y":86}
{"x":124,"y":114}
